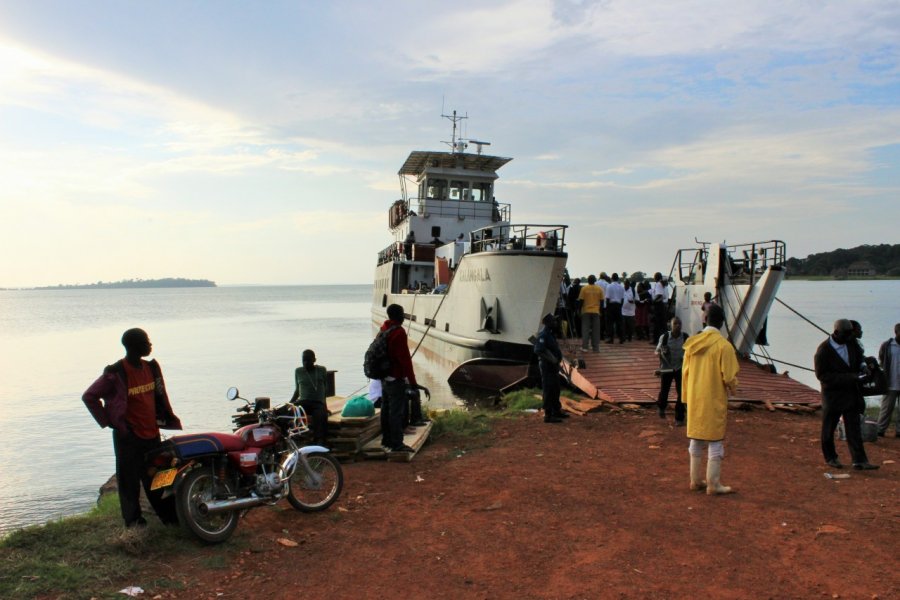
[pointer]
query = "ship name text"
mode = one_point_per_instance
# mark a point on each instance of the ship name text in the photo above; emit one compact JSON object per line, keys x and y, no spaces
{"x":474,"y":274}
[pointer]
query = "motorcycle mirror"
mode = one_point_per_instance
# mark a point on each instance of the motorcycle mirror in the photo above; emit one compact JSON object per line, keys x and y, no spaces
{"x":232,"y":393}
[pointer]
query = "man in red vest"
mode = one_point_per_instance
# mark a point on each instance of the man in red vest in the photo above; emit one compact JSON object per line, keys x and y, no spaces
{"x":130,"y":398}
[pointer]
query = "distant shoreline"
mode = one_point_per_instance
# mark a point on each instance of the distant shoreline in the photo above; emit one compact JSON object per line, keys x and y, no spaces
{"x":169,"y":282}
{"x":833,"y":278}
{"x":209,"y":284}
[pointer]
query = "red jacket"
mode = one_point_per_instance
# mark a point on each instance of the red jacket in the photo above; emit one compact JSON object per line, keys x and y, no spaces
{"x":398,"y":351}
{"x":107,"y":399}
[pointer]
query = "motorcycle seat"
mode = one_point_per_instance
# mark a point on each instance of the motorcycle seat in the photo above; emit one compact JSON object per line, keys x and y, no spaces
{"x":198,"y":444}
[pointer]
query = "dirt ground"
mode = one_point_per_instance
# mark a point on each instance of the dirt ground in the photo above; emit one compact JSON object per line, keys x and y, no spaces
{"x":595,"y":507}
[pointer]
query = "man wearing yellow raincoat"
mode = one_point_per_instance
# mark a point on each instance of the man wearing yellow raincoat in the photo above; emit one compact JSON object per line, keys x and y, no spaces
{"x":709,"y":374}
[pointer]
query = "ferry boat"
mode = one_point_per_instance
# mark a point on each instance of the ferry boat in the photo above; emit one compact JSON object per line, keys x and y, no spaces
{"x":472,"y":282}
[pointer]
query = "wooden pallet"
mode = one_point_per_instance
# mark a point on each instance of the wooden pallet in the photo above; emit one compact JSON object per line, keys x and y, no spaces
{"x":414,"y":440}
{"x":347,"y":436}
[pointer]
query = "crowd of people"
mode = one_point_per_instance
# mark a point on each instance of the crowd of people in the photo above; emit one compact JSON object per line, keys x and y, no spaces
{"x":607,"y":307}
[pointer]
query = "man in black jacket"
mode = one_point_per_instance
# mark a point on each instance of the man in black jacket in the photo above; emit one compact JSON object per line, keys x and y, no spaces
{"x":549,"y":357}
{"x":840,"y":368}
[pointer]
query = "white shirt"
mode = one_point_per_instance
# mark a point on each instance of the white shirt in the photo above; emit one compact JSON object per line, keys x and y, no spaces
{"x":657,"y":290}
{"x":563,"y":294}
{"x":615,"y":292}
{"x":628,"y":307}
{"x":841,"y":349}
{"x":893,"y":369}
{"x":603,"y":284}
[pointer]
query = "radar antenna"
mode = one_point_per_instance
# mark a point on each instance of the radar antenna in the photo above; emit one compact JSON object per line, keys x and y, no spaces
{"x":479,"y":145}
{"x":457,"y":145}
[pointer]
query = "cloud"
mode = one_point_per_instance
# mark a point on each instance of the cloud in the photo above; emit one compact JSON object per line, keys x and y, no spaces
{"x":624,"y":117}
{"x":544,"y":40}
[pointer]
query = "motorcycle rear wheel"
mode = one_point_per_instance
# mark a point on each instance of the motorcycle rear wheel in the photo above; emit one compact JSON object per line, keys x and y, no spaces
{"x":198,"y":487}
{"x":317,"y":491}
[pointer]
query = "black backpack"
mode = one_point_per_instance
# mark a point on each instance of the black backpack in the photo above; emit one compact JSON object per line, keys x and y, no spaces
{"x":377,"y":363}
{"x":665,"y":338}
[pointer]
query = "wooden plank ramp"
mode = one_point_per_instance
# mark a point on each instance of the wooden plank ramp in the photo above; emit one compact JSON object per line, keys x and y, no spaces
{"x":414,"y":440}
{"x":624,"y":374}
{"x":360,"y":437}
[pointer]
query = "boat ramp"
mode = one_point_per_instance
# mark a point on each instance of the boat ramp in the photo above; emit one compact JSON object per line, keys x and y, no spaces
{"x":622,"y":374}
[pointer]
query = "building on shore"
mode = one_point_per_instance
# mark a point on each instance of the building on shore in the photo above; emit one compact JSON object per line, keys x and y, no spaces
{"x":860,"y":268}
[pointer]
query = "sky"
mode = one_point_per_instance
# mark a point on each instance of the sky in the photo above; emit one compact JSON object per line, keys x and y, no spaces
{"x":259,"y":142}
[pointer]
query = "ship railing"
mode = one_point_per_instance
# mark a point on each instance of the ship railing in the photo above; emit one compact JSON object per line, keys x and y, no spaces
{"x":689,"y":265}
{"x":407,"y":251}
{"x":518,"y":237}
{"x":389,"y":254}
{"x":462,"y":209}
{"x":748,"y":261}
{"x":744,"y":262}
{"x":531,"y":237}
{"x":400,"y":210}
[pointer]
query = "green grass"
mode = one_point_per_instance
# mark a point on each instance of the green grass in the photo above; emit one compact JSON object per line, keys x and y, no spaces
{"x":461,"y":424}
{"x":519,"y":400}
{"x":93,"y":555}
{"x":464,"y":425}
{"x":474,"y":423}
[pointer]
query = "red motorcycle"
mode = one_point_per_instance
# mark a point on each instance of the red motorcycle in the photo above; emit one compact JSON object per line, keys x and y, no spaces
{"x":217,"y":477}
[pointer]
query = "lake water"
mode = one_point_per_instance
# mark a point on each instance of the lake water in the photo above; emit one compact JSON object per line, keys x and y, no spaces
{"x":53,"y":344}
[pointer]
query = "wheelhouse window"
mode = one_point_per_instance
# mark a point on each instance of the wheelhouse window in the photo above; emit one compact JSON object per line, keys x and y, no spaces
{"x":459,"y":190}
{"x":481,"y":192}
{"x":437,"y":189}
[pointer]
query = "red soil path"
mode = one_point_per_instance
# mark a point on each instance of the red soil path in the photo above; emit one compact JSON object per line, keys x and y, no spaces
{"x":596,"y":507}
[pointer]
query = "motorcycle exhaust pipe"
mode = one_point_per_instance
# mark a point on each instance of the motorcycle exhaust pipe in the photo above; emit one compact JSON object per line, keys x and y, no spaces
{"x":219,"y":506}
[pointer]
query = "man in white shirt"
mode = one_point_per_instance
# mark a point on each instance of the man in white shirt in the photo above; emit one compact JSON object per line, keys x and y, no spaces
{"x":889,"y":359}
{"x":659,"y":307}
{"x":562,"y":306}
{"x":615,"y":295}
{"x":629,"y":307}
{"x":603,"y":282}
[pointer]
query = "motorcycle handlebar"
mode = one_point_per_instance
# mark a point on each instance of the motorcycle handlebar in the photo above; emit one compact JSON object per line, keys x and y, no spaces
{"x":288,"y":410}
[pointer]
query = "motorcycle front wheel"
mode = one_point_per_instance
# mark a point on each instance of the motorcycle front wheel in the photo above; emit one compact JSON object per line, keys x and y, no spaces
{"x":318,"y":487}
{"x":199,"y":487}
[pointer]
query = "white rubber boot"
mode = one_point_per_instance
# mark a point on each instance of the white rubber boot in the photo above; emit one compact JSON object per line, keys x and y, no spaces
{"x":714,"y":478}
{"x":697,"y":484}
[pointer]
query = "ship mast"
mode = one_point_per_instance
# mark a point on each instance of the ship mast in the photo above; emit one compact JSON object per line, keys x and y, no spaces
{"x":457,"y":145}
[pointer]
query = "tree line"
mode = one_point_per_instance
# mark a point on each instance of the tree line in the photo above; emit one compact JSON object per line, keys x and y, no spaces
{"x":166,"y":282}
{"x":884,"y":258}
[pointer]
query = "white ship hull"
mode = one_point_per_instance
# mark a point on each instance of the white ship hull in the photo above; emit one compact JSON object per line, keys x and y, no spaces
{"x":494,"y":303}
